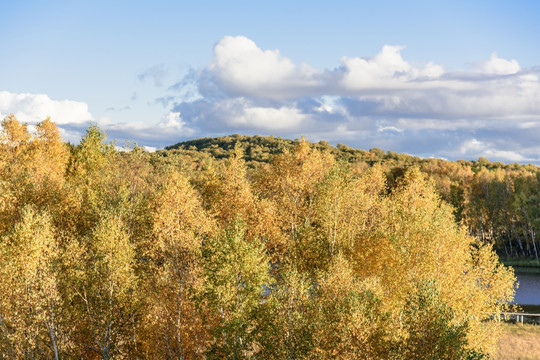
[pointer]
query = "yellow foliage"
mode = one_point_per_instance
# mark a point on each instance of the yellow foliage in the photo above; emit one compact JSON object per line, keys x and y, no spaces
{"x":30,"y":303}
{"x":135,"y":255}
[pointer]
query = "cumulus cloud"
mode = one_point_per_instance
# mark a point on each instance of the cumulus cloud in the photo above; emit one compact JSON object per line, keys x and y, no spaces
{"x":386,"y":71}
{"x":269,"y":118}
{"x":33,"y":108}
{"x":384,"y":100}
{"x":490,"y":109}
{"x":496,"y":65}
{"x":241,"y":67}
{"x":386,"y":82}
{"x":73,"y":118}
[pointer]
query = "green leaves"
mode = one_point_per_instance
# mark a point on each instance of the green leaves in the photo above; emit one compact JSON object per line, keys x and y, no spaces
{"x":235,"y":273}
{"x":429,"y":327}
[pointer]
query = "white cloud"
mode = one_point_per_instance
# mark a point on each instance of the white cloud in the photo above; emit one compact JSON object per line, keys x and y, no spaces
{"x":494,"y":89}
{"x":492,"y":109}
{"x":168,"y":130}
{"x":330,"y":104}
{"x":240,"y":66}
{"x":474,"y":148}
{"x":389,"y":129}
{"x":128,"y":148}
{"x":73,"y":118}
{"x":384,"y":100}
{"x":33,"y":108}
{"x":386,"y":70}
{"x":72,"y":135}
{"x":174,"y":123}
{"x":150,"y":148}
{"x":269,"y":118}
{"x":498,"y":66}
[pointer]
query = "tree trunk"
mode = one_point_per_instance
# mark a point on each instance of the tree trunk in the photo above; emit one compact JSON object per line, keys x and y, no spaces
{"x":179,"y":323}
{"x":534,"y":242}
{"x":50,"y":327}
{"x":520,"y":244}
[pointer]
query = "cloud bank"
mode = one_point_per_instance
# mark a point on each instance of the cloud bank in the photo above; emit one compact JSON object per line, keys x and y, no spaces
{"x":490,"y":109}
{"x":32,"y":108}
{"x":73,"y":118}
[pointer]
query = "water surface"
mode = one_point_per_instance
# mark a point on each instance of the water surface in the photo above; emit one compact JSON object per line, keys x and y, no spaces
{"x":528,"y":292}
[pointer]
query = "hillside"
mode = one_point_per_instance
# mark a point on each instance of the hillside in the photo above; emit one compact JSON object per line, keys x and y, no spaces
{"x":262,"y":148}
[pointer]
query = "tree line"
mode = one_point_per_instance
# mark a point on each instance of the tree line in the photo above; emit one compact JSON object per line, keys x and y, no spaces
{"x":498,"y":203}
{"x":182,"y":255}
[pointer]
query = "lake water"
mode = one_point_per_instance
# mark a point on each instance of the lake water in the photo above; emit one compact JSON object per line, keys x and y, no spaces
{"x":528,"y":292}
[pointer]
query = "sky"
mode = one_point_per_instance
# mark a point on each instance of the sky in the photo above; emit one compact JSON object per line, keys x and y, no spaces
{"x":448,"y":79}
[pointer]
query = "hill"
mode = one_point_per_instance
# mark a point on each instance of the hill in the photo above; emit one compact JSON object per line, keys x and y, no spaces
{"x":263,"y":148}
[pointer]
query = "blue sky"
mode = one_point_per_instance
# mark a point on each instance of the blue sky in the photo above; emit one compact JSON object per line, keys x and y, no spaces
{"x":455,"y":79}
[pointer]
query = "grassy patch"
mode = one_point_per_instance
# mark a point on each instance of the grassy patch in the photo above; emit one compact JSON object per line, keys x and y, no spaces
{"x":527,"y":270}
{"x":519,"y":342}
{"x":523,"y":264}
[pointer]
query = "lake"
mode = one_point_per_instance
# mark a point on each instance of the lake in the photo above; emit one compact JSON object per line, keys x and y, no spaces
{"x":528,"y":292}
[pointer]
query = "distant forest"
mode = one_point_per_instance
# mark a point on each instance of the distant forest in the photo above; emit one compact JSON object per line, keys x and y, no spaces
{"x":498,"y":203}
{"x":252,"y":248}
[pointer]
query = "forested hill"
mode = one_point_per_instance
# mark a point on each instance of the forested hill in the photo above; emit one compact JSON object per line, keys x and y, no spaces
{"x":263,"y":148}
{"x":497,"y":202}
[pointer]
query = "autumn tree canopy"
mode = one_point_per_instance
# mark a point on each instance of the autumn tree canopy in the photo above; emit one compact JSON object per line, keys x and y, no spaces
{"x":303,"y":252}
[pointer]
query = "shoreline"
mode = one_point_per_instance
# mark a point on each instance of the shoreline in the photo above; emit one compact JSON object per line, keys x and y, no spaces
{"x":522,"y":265}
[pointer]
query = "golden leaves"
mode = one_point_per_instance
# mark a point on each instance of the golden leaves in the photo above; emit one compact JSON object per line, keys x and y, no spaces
{"x":138,"y":255}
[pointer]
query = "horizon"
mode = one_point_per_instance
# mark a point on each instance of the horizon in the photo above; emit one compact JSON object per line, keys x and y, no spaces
{"x":450,"y":80}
